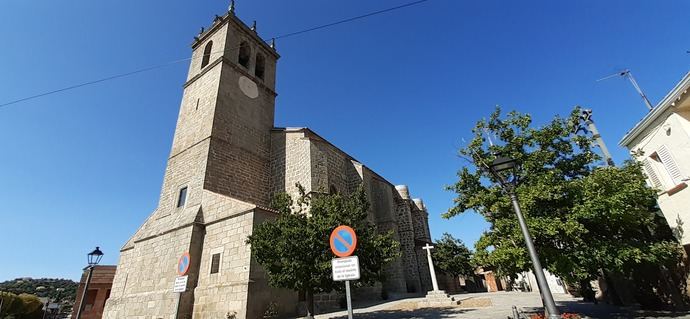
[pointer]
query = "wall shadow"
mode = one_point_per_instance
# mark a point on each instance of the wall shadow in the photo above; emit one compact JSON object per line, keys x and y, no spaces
{"x":606,"y":311}
{"x":423,"y":313}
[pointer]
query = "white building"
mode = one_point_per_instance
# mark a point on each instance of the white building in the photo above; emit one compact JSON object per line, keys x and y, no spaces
{"x":555,"y":284}
{"x":661,"y":141}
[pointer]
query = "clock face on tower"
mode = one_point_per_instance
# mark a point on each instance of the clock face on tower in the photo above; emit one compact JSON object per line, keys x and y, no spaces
{"x":248,"y":87}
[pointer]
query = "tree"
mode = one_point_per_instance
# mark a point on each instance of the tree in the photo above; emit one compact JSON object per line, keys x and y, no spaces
{"x":24,"y":306}
{"x":294,"y":248}
{"x":584,"y":218}
{"x":452,"y":257}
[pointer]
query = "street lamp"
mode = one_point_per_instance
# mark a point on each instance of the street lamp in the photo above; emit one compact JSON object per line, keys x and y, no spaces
{"x":501,"y":168}
{"x":93,"y":258}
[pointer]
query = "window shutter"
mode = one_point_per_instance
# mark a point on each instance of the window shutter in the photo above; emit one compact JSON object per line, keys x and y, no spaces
{"x":649,"y":169}
{"x":670,"y":164}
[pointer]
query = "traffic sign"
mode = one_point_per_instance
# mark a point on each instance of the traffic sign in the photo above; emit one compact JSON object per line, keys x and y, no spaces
{"x":180,"y":284}
{"x":343,"y":241}
{"x":183,"y":264}
{"x":345,"y":268}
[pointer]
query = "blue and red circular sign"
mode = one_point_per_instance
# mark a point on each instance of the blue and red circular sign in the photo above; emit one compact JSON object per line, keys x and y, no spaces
{"x":343,"y":241}
{"x":183,"y":264}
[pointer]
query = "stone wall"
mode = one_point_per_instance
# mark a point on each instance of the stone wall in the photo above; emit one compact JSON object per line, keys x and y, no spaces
{"x":407,"y":246}
{"x":146,"y":274}
{"x":290,"y":161}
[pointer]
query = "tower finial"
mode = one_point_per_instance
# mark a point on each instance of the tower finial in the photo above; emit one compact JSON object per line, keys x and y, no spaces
{"x":232,"y":7}
{"x":254,"y":26}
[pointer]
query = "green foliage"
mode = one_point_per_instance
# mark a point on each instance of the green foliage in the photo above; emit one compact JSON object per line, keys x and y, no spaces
{"x":23,"y":306}
{"x":583,"y":218}
{"x":43,"y":287}
{"x":452,"y":257}
{"x":294,"y":248}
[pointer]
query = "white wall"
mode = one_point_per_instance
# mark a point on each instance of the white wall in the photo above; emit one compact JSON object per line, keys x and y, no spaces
{"x":555,"y":284}
{"x":670,"y":132}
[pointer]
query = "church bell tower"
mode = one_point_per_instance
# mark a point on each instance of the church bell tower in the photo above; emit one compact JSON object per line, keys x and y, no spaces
{"x":226,"y":116}
{"x":216,"y":182}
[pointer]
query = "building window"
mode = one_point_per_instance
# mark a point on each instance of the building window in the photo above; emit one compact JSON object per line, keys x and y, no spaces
{"x":207,"y":54}
{"x":245,"y":54}
{"x":215,"y":263}
{"x":662,"y":170}
{"x":182,"y":197}
{"x":333,"y":190}
{"x":260,"y":68}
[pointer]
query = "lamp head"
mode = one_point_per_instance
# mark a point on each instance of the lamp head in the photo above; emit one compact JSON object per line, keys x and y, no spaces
{"x":95,"y":256}
{"x":502,"y":164}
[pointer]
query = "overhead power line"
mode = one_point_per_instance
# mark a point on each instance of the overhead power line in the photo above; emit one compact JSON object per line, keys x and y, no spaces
{"x":350,"y":19}
{"x":159,"y":66}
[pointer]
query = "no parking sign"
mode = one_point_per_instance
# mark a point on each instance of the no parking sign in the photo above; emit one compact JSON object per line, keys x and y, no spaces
{"x":343,"y":241}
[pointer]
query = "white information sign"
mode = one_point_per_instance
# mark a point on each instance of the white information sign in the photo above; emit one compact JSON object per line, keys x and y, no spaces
{"x":345,"y":268}
{"x":180,"y":284}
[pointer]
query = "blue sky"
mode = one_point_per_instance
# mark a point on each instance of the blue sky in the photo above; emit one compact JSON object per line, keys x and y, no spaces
{"x":397,"y":91}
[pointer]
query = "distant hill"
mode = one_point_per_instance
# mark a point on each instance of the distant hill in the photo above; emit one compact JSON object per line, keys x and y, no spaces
{"x":43,"y":287}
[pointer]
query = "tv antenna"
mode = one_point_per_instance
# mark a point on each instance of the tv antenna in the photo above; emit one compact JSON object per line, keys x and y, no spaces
{"x":627,"y":74}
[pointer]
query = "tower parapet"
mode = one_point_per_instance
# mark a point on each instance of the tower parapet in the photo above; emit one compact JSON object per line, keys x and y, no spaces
{"x":403,"y":191}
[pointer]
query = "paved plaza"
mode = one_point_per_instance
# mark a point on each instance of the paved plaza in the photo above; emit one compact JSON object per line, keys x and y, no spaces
{"x":501,"y":303}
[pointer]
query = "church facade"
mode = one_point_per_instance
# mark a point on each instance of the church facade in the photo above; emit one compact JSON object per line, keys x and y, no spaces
{"x":226,"y":163}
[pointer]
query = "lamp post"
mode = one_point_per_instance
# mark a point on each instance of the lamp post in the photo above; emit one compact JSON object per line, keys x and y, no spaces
{"x":508,"y":166}
{"x":94,"y":258}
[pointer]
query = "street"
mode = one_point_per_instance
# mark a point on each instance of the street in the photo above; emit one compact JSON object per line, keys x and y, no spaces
{"x":502,"y":303}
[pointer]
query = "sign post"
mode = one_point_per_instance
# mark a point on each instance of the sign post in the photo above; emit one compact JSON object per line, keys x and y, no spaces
{"x":343,"y":243}
{"x":180,"y":285}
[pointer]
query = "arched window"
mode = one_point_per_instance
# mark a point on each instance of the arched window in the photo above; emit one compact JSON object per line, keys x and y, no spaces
{"x":333,"y":190}
{"x":207,"y":54}
{"x":260,"y":68}
{"x":245,"y":53}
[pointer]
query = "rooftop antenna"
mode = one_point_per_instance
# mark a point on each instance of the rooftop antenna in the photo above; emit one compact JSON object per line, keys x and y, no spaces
{"x":627,"y":74}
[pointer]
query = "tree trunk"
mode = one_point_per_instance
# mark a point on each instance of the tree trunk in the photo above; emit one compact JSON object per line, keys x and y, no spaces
{"x":310,"y":304}
{"x":611,"y":292}
{"x":587,"y":292}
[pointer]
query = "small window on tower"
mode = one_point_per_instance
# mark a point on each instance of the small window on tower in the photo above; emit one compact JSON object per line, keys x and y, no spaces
{"x":182,"y":198}
{"x":207,"y":54}
{"x":215,"y":263}
{"x":260,"y":66}
{"x":245,"y":54}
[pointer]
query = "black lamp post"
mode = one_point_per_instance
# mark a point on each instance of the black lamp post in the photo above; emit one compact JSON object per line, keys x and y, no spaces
{"x":94,"y":258}
{"x":504,"y":169}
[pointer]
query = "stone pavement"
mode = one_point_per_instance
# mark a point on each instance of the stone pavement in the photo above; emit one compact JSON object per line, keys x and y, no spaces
{"x":500,"y":309}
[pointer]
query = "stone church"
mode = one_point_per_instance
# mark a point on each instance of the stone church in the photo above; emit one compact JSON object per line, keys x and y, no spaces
{"x":227,"y":161}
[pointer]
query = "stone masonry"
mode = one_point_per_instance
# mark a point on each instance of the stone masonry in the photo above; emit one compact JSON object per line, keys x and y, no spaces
{"x":227,"y":160}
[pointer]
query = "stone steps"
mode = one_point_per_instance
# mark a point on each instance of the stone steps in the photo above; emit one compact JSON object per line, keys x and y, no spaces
{"x":438,"y":298}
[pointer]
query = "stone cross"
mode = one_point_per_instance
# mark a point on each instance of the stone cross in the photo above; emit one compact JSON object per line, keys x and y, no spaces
{"x":431,"y":266}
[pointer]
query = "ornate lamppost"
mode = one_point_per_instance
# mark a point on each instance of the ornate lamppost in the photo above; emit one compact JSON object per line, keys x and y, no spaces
{"x":94,"y":258}
{"x":504,"y":169}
